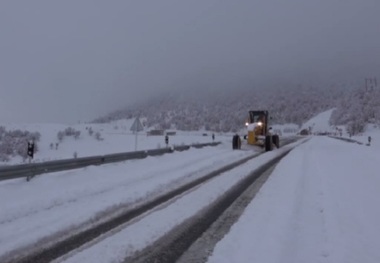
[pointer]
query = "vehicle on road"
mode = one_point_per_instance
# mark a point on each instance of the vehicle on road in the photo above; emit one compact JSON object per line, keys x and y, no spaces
{"x":259,"y":132}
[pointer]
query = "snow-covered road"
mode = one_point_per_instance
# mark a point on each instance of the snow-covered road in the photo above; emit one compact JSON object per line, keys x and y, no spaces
{"x":321,"y":204}
{"x":144,"y":232}
{"x":57,"y":202}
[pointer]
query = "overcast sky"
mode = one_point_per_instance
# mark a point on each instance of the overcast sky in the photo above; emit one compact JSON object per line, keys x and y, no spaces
{"x":71,"y":60}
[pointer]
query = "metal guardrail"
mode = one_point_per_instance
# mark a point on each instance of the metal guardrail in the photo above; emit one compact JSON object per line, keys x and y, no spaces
{"x":32,"y":169}
{"x":346,"y":140}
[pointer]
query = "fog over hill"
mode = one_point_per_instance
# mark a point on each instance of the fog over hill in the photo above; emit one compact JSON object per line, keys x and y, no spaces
{"x":227,"y":111}
{"x":356,"y":105}
{"x":70,"y":61}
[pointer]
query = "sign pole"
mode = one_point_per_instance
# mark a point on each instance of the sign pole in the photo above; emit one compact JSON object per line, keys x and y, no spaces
{"x":136,"y":127}
{"x":136,"y":140}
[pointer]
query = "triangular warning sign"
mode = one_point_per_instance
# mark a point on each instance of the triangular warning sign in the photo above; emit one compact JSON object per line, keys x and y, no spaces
{"x":137,"y":126}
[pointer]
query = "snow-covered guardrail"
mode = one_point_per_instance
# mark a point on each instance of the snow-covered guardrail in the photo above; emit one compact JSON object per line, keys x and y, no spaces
{"x":346,"y":139}
{"x":32,"y":169}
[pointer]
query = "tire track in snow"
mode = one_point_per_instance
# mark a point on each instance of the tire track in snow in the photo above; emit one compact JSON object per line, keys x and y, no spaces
{"x":216,"y":159}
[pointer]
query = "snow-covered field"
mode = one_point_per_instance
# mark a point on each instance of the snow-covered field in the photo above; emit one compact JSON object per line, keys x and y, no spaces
{"x":116,"y":136}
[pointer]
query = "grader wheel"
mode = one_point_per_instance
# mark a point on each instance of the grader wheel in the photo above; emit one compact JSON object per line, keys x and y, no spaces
{"x":276,"y":141}
{"x":268,"y":143}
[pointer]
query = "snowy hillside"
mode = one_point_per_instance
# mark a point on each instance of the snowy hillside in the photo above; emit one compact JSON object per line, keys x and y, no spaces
{"x":320,"y":123}
{"x":227,"y":112}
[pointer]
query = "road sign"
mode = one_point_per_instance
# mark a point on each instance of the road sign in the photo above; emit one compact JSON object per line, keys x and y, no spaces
{"x":137,"y":126}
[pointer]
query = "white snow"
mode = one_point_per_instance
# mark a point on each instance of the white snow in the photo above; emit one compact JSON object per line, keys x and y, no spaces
{"x":158,"y":223}
{"x":117,"y":138}
{"x":319,"y":205}
{"x":320,"y":122}
{"x":370,"y":131}
{"x":58,"y":201}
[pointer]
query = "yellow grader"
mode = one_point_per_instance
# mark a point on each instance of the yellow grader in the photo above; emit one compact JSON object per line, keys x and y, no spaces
{"x":259,"y":132}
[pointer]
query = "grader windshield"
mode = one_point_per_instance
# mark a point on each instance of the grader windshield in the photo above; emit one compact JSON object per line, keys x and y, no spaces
{"x":259,"y":119}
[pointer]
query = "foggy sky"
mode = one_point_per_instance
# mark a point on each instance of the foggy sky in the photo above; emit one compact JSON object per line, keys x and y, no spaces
{"x":65,"y":61}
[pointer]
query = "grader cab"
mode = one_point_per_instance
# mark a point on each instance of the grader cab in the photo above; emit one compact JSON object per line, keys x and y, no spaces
{"x":259,"y":132}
